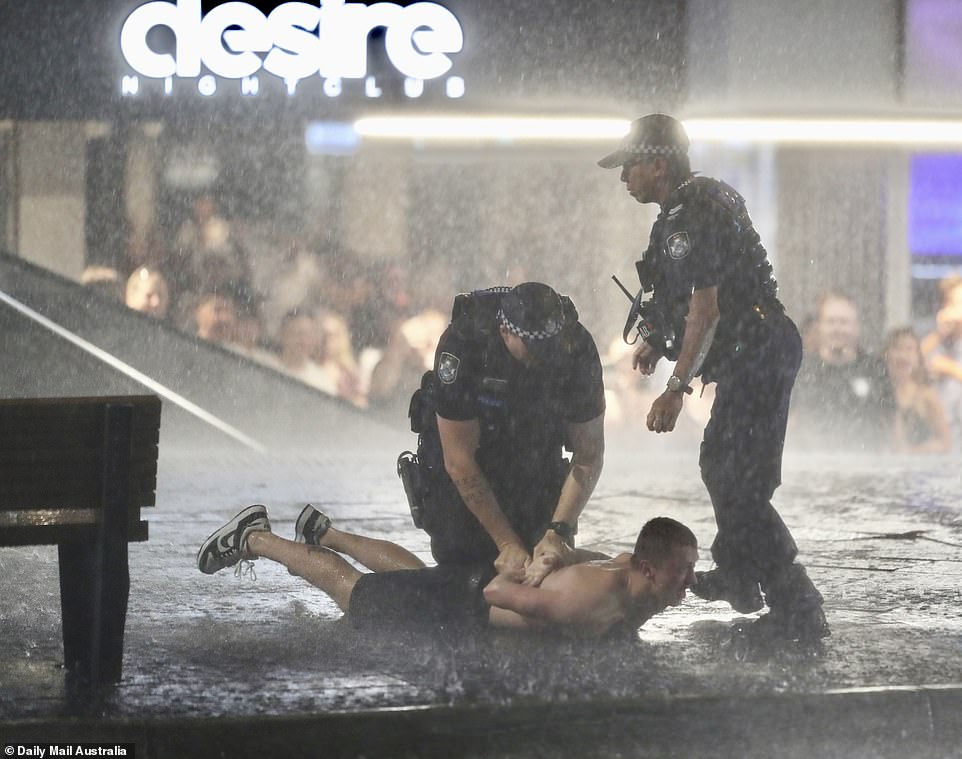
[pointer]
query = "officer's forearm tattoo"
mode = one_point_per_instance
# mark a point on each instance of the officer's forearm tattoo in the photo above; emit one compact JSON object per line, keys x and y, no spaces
{"x":474,"y":490}
{"x":587,"y":476}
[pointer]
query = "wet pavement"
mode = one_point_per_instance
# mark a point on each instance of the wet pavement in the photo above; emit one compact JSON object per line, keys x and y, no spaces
{"x":226,"y":666}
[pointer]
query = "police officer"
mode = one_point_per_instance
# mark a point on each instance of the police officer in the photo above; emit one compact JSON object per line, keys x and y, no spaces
{"x":712,"y":288}
{"x":516,"y":378}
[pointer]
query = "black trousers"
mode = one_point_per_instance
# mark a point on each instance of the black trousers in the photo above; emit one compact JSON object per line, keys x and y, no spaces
{"x":741,"y":454}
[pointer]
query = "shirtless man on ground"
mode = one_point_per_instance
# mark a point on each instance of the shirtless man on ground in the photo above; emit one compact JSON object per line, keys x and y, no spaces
{"x":588,"y":597}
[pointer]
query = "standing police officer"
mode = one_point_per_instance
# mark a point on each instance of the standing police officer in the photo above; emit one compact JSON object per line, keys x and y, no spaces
{"x":714,"y":297}
{"x":516,"y":378}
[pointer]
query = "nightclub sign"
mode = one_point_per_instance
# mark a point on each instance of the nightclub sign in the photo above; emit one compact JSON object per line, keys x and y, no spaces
{"x":235,"y":44}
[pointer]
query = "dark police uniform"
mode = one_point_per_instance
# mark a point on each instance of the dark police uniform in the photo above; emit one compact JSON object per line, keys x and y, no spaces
{"x":704,"y":238}
{"x":522,"y":412}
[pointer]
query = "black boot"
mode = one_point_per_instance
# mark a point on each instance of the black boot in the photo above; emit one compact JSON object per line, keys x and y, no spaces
{"x":743,"y":594}
{"x":796,"y":607}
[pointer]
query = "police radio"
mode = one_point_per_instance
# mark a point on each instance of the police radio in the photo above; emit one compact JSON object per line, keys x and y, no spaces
{"x":650,"y":324}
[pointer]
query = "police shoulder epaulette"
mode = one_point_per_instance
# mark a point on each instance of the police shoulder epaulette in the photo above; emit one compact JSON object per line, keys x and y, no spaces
{"x":725,"y":195}
{"x":570,"y":312}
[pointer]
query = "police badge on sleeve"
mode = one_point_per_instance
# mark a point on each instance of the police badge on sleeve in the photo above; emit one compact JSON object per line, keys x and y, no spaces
{"x":448,"y":368}
{"x":678,"y":245}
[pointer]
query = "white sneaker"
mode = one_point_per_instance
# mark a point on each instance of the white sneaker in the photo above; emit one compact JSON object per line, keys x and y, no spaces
{"x":228,"y":545}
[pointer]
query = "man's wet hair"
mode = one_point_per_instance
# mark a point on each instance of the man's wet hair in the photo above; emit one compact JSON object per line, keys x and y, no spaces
{"x":659,"y":537}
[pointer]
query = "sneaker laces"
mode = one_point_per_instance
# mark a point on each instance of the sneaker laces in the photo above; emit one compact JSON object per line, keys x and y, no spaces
{"x":245,"y":568}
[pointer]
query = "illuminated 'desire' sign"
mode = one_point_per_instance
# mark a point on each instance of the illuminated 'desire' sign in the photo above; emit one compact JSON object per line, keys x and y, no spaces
{"x":295,"y":41}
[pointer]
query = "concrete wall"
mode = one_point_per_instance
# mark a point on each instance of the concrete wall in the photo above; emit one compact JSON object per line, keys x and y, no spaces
{"x":51,"y":189}
{"x":792,"y":57}
{"x":833,"y":231}
{"x":839,"y":212}
{"x":8,"y":198}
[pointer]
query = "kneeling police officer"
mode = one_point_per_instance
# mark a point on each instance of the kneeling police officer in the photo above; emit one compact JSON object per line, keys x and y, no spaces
{"x":516,"y":378}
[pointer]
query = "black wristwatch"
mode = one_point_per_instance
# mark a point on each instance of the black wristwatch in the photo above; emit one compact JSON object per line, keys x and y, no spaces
{"x":677,"y":385}
{"x":565,"y":530}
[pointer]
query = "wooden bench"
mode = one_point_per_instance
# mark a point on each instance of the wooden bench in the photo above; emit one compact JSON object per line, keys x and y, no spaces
{"x":75,"y":472}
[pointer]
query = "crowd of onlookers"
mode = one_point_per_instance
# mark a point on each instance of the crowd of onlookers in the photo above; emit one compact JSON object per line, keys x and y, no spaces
{"x":348,"y":326}
{"x":907,"y":397}
{"x":360,"y":330}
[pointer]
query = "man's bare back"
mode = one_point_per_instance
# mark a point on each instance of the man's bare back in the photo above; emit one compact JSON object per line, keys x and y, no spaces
{"x":588,"y":599}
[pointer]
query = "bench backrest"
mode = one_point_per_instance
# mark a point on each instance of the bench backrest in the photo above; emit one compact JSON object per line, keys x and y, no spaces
{"x":56,"y":464}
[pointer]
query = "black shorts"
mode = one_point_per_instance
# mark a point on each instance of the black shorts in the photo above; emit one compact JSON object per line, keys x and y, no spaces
{"x":432,"y":598}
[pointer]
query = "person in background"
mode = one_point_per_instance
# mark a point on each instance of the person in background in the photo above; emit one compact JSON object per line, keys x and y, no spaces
{"x":942,"y":349}
{"x":298,"y":341}
{"x":335,"y":355}
{"x":408,"y":354}
{"x":148,"y":293}
{"x":248,"y":340}
{"x":353,"y":291}
{"x":296,"y":283}
{"x":842,"y":397}
{"x":215,"y":317}
{"x":921,"y":425}
{"x":207,"y":254}
{"x":629,"y":395}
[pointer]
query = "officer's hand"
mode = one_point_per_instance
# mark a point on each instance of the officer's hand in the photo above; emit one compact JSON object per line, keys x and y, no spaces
{"x":512,"y":560}
{"x":645,"y":358}
{"x":664,"y":412}
{"x":550,"y":554}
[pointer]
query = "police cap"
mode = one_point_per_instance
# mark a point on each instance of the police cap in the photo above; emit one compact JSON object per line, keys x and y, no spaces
{"x":535,"y":313}
{"x":656,"y":134}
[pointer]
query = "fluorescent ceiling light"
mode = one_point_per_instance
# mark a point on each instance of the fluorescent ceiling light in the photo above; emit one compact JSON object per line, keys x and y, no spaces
{"x":331,"y":138}
{"x":908,"y":132}
{"x":904,"y":132}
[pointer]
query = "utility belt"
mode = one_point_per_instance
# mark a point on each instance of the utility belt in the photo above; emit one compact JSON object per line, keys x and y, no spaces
{"x":754,"y":320}
{"x":419,"y":472}
{"x":741,"y":337}
{"x":428,"y":488}
{"x":767,"y":307}
{"x":409,"y":470}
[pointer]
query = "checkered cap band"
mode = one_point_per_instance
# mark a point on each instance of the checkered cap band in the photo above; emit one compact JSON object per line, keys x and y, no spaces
{"x":646,"y":149}
{"x":552,"y":328}
{"x":656,"y":134}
